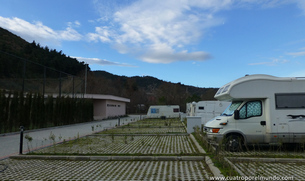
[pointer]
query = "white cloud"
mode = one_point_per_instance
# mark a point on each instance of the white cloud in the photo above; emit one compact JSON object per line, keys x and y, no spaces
{"x":74,"y":24}
{"x":299,"y":53}
{"x":153,"y":31}
{"x":103,"y":34}
{"x":301,"y":5}
{"x":39,"y":32}
{"x":274,"y":62}
{"x":101,"y":62}
{"x":163,"y":54}
{"x":145,"y":27}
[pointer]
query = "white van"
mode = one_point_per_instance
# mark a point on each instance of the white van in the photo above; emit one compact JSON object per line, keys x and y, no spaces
{"x":264,"y":109}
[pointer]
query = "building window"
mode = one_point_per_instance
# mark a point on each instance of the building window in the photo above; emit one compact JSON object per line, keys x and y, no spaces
{"x":111,"y":105}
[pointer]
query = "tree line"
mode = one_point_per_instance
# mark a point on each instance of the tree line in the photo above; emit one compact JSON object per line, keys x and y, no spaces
{"x":33,"y":111}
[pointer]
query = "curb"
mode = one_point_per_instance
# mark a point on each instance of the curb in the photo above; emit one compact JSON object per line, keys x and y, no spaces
{"x":200,"y":149}
{"x":216,"y":172}
{"x":140,"y":134}
{"x":235,"y":167}
{"x":111,"y":158}
{"x":270,"y":160}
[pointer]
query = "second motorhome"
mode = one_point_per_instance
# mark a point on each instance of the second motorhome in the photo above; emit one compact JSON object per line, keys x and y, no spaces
{"x":163,"y":111}
{"x":206,"y":109}
{"x":264,"y":109}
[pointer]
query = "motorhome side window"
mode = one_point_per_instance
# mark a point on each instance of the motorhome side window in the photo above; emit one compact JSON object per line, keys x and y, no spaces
{"x":251,"y":109}
{"x":289,"y":101}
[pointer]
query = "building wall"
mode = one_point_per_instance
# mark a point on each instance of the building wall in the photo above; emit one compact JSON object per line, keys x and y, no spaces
{"x":115,"y":108}
{"x":108,"y":108}
{"x":99,"y":109}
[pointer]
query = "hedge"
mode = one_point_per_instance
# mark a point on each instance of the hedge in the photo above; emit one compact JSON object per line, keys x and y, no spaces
{"x":34,"y":111}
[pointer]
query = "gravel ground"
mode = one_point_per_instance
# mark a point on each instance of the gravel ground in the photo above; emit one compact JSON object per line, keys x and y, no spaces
{"x":144,"y":130}
{"x":104,"y":170}
{"x":41,"y":169}
{"x":281,"y":171}
{"x":125,"y":144}
{"x":267,"y":151}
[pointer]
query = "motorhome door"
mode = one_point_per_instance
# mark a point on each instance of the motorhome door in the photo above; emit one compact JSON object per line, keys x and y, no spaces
{"x":252,"y":121}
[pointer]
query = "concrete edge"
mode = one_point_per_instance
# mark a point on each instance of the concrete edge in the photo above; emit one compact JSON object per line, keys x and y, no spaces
{"x":216,"y":172}
{"x":140,"y":134}
{"x":235,"y":168}
{"x":201,"y":150}
{"x":271,"y":160}
{"x":110,"y":158}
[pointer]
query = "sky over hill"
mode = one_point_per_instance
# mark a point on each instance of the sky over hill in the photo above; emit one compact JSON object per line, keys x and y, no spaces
{"x":202,"y":43}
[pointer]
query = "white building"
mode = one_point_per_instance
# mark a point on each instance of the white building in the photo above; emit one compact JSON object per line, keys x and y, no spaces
{"x":107,"y":105}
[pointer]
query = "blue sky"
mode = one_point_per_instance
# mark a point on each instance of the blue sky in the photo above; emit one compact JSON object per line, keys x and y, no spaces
{"x":204,"y":43}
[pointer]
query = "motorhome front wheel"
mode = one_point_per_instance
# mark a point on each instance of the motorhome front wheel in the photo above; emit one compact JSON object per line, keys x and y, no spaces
{"x":234,"y":143}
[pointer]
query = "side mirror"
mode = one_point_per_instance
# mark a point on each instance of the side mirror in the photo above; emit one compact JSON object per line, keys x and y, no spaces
{"x":236,"y":114}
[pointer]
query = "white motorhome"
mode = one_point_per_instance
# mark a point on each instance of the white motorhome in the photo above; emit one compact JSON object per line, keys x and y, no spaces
{"x":163,"y":111}
{"x":207,"y":110}
{"x":264,"y":109}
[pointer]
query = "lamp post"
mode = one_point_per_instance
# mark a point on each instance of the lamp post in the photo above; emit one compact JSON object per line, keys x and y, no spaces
{"x":21,"y":140}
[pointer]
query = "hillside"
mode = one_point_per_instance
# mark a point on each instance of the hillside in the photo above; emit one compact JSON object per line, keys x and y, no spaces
{"x":147,"y":90}
{"x":13,"y":50}
{"x":142,"y":91}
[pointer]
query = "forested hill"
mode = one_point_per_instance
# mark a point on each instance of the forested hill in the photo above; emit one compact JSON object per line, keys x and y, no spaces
{"x":142,"y":91}
{"x":147,"y":90}
{"x":12,"y":46}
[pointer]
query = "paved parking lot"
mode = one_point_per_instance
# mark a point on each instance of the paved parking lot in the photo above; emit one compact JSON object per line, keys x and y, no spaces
{"x":165,"y":168}
{"x":103,"y":170}
{"x":264,"y":163}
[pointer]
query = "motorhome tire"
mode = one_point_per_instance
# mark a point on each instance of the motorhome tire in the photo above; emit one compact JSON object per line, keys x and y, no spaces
{"x":234,"y":143}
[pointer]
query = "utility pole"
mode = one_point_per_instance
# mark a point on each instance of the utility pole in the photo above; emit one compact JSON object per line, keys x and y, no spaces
{"x":86,"y":78}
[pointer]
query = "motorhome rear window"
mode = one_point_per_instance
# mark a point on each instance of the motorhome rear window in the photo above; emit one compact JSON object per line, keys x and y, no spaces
{"x":154,"y":110}
{"x":288,"y":101}
{"x":176,"y":110}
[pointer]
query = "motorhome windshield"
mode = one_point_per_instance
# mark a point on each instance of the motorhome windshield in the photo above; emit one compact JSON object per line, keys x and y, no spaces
{"x":230,"y":110}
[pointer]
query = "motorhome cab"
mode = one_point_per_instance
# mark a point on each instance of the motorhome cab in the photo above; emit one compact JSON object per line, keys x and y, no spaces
{"x":264,"y":109}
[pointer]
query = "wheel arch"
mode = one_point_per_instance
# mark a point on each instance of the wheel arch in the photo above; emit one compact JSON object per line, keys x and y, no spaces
{"x":237,"y":133}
